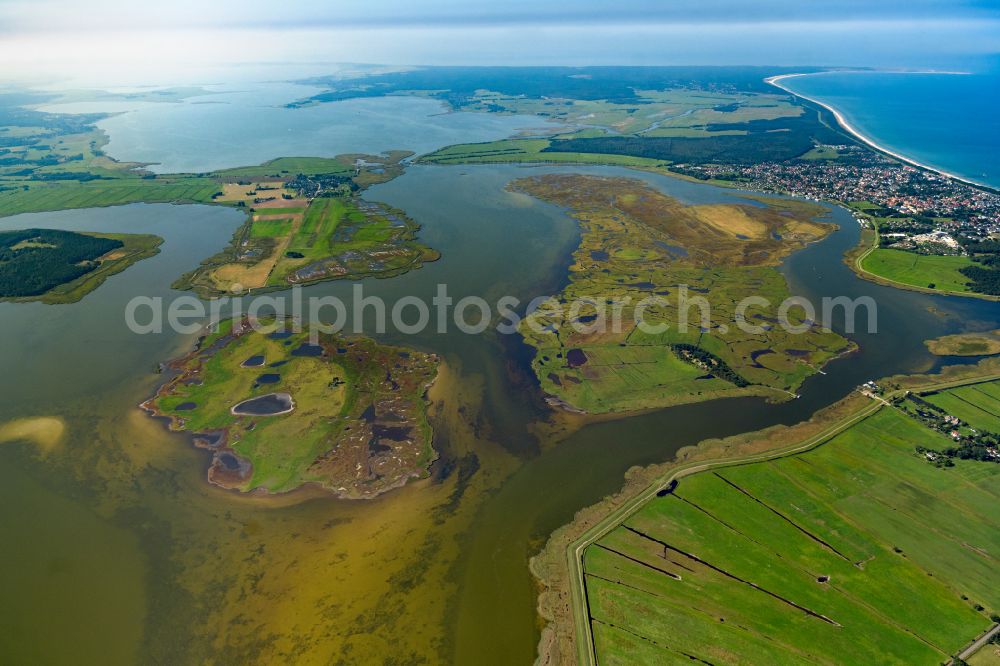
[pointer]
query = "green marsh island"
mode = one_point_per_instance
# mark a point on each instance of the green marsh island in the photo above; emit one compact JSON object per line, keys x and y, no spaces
{"x":984,"y":343}
{"x":54,"y":266}
{"x":639,"y":243}
{"x":278,"y":411}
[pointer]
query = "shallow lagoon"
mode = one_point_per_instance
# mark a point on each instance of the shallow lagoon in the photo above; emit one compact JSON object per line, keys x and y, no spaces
{"x":251,"y":125}
{"x":181,"y":570}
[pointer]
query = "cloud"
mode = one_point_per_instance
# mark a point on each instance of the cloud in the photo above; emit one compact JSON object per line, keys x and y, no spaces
{"x":20,"y":16}
{"x":104,"y":41}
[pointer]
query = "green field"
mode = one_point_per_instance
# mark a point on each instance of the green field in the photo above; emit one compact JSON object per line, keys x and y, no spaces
{"x":358,"y":427}
{"x":270,"y":228}
{"x":935,"y":272}
{"x":977,"y":405}
{"x":857,"y":551}
{"x":528,"y":150}
{"x":284,"y":166}
{"x":988,"y":655}
{"x":63,"y":195}
{"x":353,"y":236}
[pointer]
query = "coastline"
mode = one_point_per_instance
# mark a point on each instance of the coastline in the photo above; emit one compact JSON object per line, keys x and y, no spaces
{"x":860,"y":136}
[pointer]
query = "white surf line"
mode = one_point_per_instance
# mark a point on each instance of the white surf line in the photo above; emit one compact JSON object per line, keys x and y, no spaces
{"x":775,"y":81}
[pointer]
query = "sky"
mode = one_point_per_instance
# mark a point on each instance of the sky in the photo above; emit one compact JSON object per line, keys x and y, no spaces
{"x":114,"y":42}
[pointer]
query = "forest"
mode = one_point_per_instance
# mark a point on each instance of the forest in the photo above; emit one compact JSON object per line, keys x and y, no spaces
{"x":765,"y":141}
{"x":33,"y":261}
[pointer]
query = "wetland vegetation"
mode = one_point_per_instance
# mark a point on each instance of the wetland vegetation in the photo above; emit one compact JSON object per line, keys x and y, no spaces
{"x":638,"y":243}
{"x":278,"y":411}
{"x":985,"y":343}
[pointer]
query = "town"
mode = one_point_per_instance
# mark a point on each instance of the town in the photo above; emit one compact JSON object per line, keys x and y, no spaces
{"x":911,"y":202}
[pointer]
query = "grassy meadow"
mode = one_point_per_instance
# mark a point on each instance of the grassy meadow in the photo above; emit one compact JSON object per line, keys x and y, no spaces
{"x":61,"y":195}
{"x":940,"y":273}
{"x":528,"y":150}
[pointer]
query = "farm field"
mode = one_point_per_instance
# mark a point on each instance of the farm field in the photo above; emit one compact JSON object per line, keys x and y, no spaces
{"x":988,"y":655}
{"x":61,"y":195}
{"x":300,"y":241}
{"x":346,"y":413}
{"x":977,"y":405}
{"x":819,"y":557}
{"x":939,"y":273}
{"x":639,"y":244}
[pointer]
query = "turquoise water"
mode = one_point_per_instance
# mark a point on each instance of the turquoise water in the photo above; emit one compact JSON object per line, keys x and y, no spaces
{"x":946,"y":121}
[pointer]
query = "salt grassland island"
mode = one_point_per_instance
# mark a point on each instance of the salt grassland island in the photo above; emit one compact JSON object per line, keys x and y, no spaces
{"x":469,"y":451}
{"x":637,"y":243}
{"x":279,"y":411}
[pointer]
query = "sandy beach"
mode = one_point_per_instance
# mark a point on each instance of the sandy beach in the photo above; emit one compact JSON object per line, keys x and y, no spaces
{"x":842,"y":121}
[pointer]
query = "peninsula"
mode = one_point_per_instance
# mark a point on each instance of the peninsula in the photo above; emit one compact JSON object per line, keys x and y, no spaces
{"x":54,"y":266}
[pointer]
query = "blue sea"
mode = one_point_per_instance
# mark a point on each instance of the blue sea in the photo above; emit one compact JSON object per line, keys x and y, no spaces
{"x":947,"y":121}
